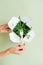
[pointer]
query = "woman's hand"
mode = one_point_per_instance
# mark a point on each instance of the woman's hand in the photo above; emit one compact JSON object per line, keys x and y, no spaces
{"x":18,"y":49}
{"x":4,"y":28}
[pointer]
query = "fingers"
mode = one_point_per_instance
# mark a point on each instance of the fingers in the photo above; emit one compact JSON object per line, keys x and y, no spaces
{"x":4,"y":28}
{"x":21,"y":45}
{"x":20,"y":49}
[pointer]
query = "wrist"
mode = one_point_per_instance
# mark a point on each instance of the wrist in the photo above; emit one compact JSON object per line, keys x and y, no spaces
{"x":11,"y":50}
{"x":7,"y":52}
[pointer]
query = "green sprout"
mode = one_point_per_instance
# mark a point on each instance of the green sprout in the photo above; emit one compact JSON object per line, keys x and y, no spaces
{"x":21,"y":26}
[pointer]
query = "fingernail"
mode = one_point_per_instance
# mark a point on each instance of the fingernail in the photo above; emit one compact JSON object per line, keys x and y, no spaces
{"x":19,"y":45}
{"x":20,"y":49}
{"x":24,"y":44}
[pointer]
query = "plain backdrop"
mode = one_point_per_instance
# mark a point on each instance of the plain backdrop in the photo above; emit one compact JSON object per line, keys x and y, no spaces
{"x":30,"y":8}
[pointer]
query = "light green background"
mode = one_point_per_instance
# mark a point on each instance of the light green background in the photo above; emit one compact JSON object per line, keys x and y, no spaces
{"x":30,"y":8}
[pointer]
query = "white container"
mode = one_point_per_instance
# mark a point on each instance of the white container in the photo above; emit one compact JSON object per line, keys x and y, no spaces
{"x":14,"y":37}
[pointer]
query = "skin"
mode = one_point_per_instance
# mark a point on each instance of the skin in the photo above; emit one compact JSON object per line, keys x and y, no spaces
{"x":19,"y":49}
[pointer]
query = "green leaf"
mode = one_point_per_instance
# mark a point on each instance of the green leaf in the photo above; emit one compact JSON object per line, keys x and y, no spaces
{"x":21,"y":26}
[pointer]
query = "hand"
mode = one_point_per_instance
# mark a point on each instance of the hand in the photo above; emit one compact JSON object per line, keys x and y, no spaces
{"x":18,"y":49}
{"x":13,"y":50}
{"x":4,"y":28}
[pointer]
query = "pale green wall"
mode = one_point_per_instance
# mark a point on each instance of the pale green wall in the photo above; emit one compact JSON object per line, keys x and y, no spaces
{"x":30,"y":8}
